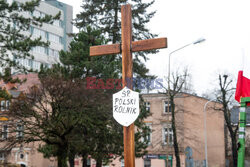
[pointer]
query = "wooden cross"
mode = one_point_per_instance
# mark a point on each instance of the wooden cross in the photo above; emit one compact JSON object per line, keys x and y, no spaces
{"x":126,"y":48}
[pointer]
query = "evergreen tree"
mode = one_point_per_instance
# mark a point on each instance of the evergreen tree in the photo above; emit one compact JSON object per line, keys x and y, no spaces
{"x":105,"y":16}
{"x":16,"y":20}
{"x":79,"y":61}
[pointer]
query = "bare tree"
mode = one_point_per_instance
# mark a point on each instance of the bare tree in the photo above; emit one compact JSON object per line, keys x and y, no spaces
{"x":179,"y":82}
{"x":225,"y":96}
{"x":177,"y":85}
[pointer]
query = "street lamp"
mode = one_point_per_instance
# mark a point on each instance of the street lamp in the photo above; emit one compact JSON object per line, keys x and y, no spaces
{"x":205,"y":129}
{"x":200,"y":40}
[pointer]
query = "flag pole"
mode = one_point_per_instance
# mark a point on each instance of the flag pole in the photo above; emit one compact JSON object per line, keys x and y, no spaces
{"x":242,"y":127}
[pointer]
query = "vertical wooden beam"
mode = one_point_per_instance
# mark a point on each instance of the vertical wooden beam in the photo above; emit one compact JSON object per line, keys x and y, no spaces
{"x":127,"y":74}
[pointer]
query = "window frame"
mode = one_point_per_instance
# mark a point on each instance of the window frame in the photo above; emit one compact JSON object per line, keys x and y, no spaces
{"x":39,"y":33}
{"x":148,"y":105}
{"x":19,"y":130}
{"x":150,"y":136}
{"x":39,"y":50}
{"x":147,"y":160}
{"x":167,"y":132}
{"x":122,"y":163}
{"x":2,"y":157}
{"x":5,"y":131}
{"x":166,"y":104}
{"x":3,"y":105}
{"x":54,"y":38}
{"x":7,"y":105}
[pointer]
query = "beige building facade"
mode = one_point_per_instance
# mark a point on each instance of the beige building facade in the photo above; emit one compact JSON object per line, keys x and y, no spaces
{"x":190,"y":129}
{"x":23,"y":154}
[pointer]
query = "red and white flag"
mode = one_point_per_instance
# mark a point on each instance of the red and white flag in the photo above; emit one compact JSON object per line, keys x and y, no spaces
{"x":243,"y":82}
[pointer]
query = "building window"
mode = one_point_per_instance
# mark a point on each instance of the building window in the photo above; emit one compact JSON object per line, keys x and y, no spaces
{"x":167,"y":107}
{"x":46,"y":65}
{"x":147,"y":163}
{"x":19,"y":132}
{"x":148,"y":138}
{"x":21,"y":156}
{"x":37,"y":14}
{"x":1,"y":156}
{"x":5,"y":132}
{"x":39,"y":33}
{"x":167,"y":133}
{"x":30,"y":63}
{"x":56,"y":54}
{"x":7,"y":104}
{"x":53,"y":53}
{"x":57,"y":23}
{"x":36,"y":65}
{"x":122,"y":163}
{"x":147,"y":106}
{"x":54,"y":38}
{"x":89,"y":162}
{"x":3,"y":105}
{"x":25,"y":62}
{"x":39,"y":49}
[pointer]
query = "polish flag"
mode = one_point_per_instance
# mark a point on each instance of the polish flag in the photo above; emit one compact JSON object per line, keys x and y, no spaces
{"x":243,"y":82}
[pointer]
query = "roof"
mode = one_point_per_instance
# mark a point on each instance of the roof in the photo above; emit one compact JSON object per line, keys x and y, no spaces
{"x":15,"y":89}
{"x":14,"y":93}
{"x":181,"y":93}
{"x":31,"y":80}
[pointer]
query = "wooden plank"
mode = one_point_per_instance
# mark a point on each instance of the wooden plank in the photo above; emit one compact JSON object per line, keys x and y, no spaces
{"x":127,"y":74}
{"x":127,"y":61}
{"x":149,"y":44}
{"x":105,"y":50}
{"x":129,"y":145}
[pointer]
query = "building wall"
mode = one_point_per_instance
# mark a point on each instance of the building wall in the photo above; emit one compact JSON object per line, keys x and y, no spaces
{"x":23,"y":154}
{"x":67,"y":19}
{"x":31,"y":157}
{"x":194,"y":131}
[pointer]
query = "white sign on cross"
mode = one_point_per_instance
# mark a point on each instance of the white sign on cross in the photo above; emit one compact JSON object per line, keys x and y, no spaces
{"x":125,"y":106}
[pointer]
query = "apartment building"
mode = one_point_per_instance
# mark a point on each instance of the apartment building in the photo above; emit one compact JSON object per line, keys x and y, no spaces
{"x":56,"y":33}
{"x":190,"y":133}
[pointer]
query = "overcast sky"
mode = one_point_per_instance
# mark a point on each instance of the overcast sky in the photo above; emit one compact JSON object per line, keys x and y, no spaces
{"x":224,"y":23}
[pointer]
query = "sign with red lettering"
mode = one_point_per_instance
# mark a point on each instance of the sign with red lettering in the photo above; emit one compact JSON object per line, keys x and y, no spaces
{"x":125,"y":106}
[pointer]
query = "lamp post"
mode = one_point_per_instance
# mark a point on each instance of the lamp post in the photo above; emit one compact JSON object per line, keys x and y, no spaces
{"x":205,"y":129}
{"x":200,"y":40}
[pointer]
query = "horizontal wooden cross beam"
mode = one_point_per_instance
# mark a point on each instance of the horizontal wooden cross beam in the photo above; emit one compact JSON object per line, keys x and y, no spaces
{"x":142,"y":45}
